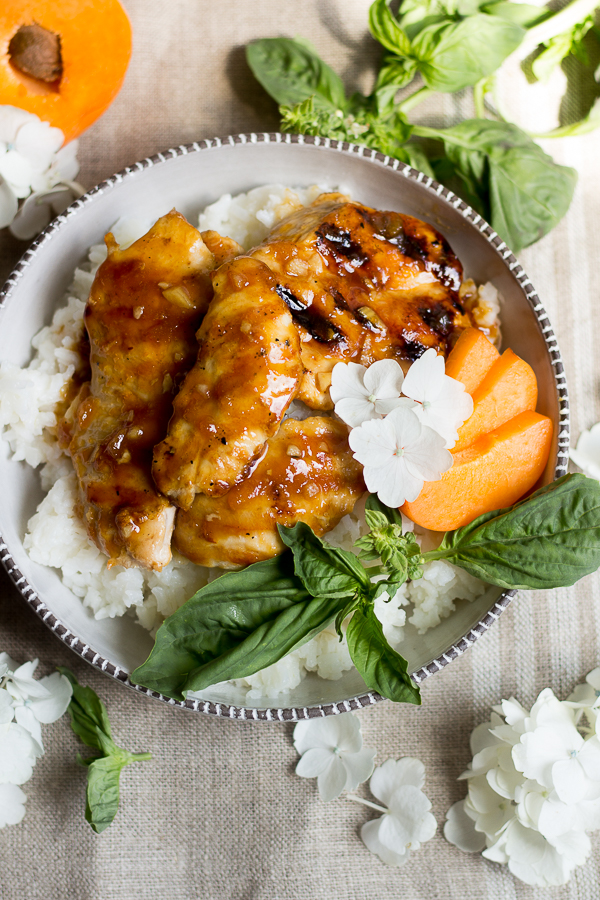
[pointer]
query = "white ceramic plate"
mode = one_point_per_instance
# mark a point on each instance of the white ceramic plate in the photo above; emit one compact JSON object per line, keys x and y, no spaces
{"x":188,"y":178}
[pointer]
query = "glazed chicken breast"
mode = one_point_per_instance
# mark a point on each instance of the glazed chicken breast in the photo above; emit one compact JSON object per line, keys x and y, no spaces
{"x":145,"y":306}
{"x":234,"y":398}
{"x":362,"y":285}
{"x":307,"y":474}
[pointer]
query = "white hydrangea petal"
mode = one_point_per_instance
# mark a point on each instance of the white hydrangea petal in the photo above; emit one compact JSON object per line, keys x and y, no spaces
{"x":425,"y":377}
{"x":313,"y":762}
{"x":374,"y":442}
{"x":410,"y":807}
{"x":5,"y":659}
{"x":12,"y":805}
{"x":504,"y":783}
{"x":393,"y":483}
{"x":17,"y":754}
{"x":32,"y":218}
{"x":354,"y":411}
{"x":384,"y":379}
{"x":26,"y":685}
{"x":7,"y":712}
{"x":66,"y":163}
{"x":514,"y":713}
{"x":589,"y":758}
{"x":593,"y":677}
{"x":587,"y":453}
{"x":25,"y":717}
{"x":48,"y":710}
{"x":324,"y":732}
{"x":460,"y":830}
{"x":38,"y":142}
{"x":347,"y":381}
{"x":537,"y":752}
{"x":384,"y":407}
{"x":370,"y":835}
{"x":332,"y":781}
{"x":17,"y":171}
{"x":349,"y":737}
{"x":428,"y":458}
{"x":359,"y":766}
{"x":9,"y":204}
{"x":11,"y":119}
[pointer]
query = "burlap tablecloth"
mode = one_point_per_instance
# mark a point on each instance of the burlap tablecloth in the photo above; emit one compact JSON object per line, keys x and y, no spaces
{"x":218,"y":813}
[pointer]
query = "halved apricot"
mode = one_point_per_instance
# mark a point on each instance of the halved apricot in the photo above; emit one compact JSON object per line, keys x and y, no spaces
{"x":471,"y":358}
{"x":495,"y":471}
{"x":63,"y":60}
{"x":509,"y":388}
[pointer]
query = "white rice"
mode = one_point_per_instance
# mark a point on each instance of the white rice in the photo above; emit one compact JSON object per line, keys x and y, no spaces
{"x":56,"y":537}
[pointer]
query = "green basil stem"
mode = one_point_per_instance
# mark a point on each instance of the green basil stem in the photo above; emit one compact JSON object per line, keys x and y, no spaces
{"x":414,"y":99}
{"x":562,"y":21}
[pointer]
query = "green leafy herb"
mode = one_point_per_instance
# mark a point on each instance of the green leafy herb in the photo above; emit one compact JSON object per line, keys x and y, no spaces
{"x":451,"y":45}
{"x":321,"y":568}
{"x":89,"y":721}
{"x":550,"y":539}
{"x":520,"y":188}
{"x":291,"y":72}
{"x":399,"y":553}
{"x":381,"y":667}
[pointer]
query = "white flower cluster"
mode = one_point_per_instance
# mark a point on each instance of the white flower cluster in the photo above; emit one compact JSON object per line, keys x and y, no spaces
{"x":402,"y":426}
{"x":35,"y":167}
{"x":25,"y":705}
{"x":534,"y":786}
{"x":331,"y":750}
{"x":587,"y":453}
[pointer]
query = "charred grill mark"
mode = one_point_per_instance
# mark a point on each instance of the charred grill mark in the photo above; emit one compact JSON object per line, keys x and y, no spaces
{"x":339,"y":242}
{"x":338,"y":299}
{"x":447,"y":274}
{"x":412,"y":349}
{"x":438,"y":318}
{"x":321,"y":329}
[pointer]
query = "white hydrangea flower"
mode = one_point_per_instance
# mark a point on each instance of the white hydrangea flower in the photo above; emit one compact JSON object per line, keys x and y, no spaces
{"x":587,"y":453}
{"x":31,"y":711}
{"x":442,"y":402}
{"x":534,"y":787}
{"x":12,"y":805}
{"x":399,"y":454}
{"x":406,"y":822}
{"x":33,"y":162}
{"x":360,"y":393}
{"x":332,"y":751}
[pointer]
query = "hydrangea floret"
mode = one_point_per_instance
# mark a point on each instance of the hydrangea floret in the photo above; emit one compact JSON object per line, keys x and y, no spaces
{"x":331,"y":750}
{"x":25,"y":704}
{"x":36,"y":168}
{"x":406,"y":822}
{"x":534,"y":786}
{"x":402,"y":427}
{"x":587,"y":453}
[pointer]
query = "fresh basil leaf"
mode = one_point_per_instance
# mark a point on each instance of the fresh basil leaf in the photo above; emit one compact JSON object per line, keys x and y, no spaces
{"x":452,"y":56}
{"x":524,"y":14}
{"x":89,"y":719}
{"x":322,"y":569}
{"x":526,"y":192}
{"x":393,"y":516}
{"x":291,"y":71}
{"x":550,"y":539}
{"x":102,"y":794}
{"x":386,"y":29}
{"x":217,"y":619}
{"x":418,"y":159}
{"x":395,"y":74}
{"x":382,"y":668}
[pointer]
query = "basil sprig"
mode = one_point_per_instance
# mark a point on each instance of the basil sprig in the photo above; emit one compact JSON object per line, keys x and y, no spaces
{"x":89,"y":721}
{"x":245,"y":621}
{"x":450,"y":45}
{"x":551,"y":539}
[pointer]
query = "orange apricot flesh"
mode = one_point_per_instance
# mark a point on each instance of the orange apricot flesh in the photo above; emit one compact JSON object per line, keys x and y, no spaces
{"x":509,"y":388}
{"x":471,"y":358}
{"x":494,"y":472}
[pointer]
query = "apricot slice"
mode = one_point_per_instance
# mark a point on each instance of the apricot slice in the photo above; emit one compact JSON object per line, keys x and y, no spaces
{"x":509,"y":388}
{"x":495,"y":471}
{"x":63,"y":60}
{"x":471,"y":358}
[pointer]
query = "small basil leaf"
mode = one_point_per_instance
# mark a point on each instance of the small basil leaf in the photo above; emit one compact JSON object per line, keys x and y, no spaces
{"x":382,"y":669}
{"x":291,"y":71}
{"x":450,"y":55}
{"x":393,"y":516}
{"x":524,"y":14}
{"x":386,"y":29}
{"x":396,"y":73}
{"x":102,"y":793}
{"x":89,"y":719}
{"x":321,"y":568}
{"x":551,"y":539}
{"x":218,"y":618}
